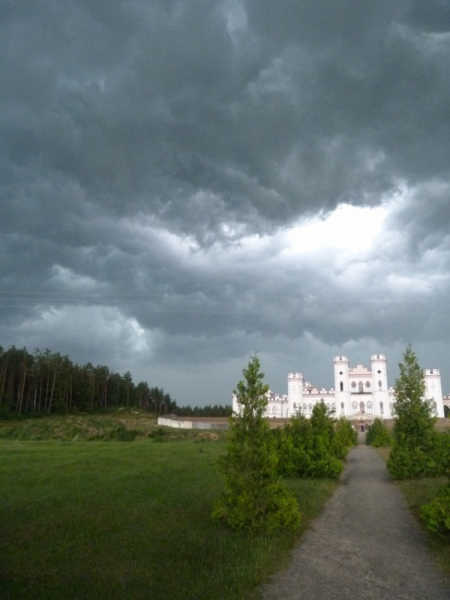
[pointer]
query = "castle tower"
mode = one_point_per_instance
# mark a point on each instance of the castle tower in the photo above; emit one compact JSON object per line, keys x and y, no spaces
{"x":433,"y":390}
{"x":295,"y":393}
{"x":380,"y":390}
{"x":342,"y":385}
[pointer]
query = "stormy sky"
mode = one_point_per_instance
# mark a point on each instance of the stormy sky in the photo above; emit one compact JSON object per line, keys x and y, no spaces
{"x":183,"y":182}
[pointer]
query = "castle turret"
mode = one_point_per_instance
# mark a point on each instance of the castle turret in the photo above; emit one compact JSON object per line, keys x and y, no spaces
{"x":341,"y":385}
{"x":380,"y":390}
{"x":295,"y":393}
{"x":433,"y":390}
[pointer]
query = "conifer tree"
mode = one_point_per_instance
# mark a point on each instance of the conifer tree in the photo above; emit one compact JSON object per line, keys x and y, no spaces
{"x":254,"y":497}
{"x":414,"y":420}
{"x":415,"y":440}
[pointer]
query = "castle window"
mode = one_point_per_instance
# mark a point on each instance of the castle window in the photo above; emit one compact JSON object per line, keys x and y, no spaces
{"x":380,"y":385}
{"x":353,"y":384}
{"x":369,"y":407}
{"x":295,"y":405}
{"x":435,"y":408}
{"x":381,"y":408}
{"x":310,"y":407}
{"x":355,"y":406}
{"x":342,"y":407}
{"x":361,"y":406}
{"x":360,"y":387}
{"x":341,"y":386}
{"x":274,"y":410}
{"x":367,"y":384}
{"x":304,"y":407}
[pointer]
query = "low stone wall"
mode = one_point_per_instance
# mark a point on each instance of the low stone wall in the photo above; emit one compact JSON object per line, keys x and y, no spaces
{"x":183,"y":423}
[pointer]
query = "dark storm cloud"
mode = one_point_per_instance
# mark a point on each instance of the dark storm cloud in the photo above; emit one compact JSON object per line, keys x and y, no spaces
{"x":144,"y":104}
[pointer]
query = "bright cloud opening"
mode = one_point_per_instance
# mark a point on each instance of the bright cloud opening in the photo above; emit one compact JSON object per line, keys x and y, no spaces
{"x":350,"y":229}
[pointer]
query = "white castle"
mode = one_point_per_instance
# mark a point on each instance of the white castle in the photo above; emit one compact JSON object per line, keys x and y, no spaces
{"x":359,"y":393}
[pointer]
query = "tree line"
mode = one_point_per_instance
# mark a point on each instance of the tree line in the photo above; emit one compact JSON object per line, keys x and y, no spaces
{"x":49,"y":382}
{"x":218,"y":410}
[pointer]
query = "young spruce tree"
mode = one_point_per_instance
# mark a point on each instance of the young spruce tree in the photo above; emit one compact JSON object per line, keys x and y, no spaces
{"x":414,"y":450}
{"x":254,"y":498}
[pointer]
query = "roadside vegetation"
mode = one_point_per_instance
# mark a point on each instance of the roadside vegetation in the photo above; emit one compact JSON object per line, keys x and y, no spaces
{"x":419,"y":450}
{"x":419,"y":457}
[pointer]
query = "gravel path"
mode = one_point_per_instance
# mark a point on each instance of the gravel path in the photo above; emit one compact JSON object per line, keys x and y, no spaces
{"x":365,"y":545}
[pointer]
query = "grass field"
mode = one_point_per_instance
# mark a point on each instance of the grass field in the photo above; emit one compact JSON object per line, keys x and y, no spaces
{"x":110,"y":520}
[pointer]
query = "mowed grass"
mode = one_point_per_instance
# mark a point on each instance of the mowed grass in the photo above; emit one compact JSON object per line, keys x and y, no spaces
{"x":110,"y":520}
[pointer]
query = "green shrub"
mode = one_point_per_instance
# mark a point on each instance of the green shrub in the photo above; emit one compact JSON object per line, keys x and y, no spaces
{"x":378,"y":435}
{"x":405,"y":462}
{"x":254,"y":498}
{"x":436,"y":514}
{"x":158,"y":435}
{"x":120,"y":433}
{"x":430,"y":459}
{"x":308,"y":447}
{"x":442,"y":451}
{"x":345,"y":437}
{"x":294,"y":447}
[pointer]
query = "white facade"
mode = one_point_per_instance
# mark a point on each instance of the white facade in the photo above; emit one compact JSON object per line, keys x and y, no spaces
{"x":358,"y":393}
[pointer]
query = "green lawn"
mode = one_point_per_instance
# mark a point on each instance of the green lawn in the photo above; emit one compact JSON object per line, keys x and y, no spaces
{"x":110,"y":520}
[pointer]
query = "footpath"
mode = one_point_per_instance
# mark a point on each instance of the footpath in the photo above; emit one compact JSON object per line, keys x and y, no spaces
{"x":365,"y":545}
